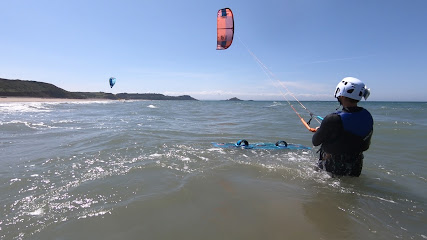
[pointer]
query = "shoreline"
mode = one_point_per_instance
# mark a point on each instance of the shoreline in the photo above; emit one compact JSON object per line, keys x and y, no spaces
{"x":37,"y":99}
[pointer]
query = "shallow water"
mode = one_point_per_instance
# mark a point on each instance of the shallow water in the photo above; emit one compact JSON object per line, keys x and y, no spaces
{"x":147,"y":169}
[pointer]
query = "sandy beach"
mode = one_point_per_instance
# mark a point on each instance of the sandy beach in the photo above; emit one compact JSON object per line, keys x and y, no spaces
{"x":30,"y":99}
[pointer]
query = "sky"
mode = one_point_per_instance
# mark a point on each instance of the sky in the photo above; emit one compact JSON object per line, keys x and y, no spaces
{"x":169,"y":47}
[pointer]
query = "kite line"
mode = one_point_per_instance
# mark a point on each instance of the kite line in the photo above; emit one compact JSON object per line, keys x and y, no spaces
{"x":271,"y":76}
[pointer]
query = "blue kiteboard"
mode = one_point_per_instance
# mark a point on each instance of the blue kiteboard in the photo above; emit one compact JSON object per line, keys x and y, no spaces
{"x":243,"y":144}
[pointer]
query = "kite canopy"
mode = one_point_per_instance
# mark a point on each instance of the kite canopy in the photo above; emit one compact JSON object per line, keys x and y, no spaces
{"x":225,"y":28}
{"x":112,"y":81}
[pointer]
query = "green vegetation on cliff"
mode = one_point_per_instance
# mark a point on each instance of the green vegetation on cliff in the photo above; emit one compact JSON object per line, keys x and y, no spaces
{"x":19,"y":88}
{"x":22,"y":88}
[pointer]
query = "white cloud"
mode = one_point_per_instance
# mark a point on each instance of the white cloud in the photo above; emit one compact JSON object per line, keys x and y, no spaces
{"x":301,"y":85}
{"x":338,"y":59}
{"x":223,"y":95}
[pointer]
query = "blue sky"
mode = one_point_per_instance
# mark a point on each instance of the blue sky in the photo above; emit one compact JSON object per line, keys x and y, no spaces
{"x":169,"y":47}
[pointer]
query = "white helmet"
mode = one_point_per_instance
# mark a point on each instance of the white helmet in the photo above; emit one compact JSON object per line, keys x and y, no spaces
{"x":352,"y":88}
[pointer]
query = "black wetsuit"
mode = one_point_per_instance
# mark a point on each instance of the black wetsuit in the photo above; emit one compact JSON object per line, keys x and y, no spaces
{"x":344,"y":135}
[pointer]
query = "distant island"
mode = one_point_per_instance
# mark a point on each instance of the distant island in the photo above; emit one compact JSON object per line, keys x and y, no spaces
{"x":234,"y":99}
{"x":237,"y":99}
{"x":26,"y":88}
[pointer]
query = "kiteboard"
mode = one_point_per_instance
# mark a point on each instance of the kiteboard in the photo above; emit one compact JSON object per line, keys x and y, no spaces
{"x":279,"y":145}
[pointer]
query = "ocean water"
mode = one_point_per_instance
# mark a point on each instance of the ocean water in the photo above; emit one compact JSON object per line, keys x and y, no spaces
{"x":148,"y":170}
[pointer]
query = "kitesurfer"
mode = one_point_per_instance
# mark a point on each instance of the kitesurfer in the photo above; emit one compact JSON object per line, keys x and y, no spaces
{"x":345,"y":135}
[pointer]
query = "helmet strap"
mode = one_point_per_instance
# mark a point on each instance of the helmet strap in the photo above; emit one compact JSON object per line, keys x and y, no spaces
{"x":339,"y":105}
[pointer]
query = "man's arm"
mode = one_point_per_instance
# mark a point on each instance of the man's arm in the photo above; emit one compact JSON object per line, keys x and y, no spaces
{"x":327,"y":128}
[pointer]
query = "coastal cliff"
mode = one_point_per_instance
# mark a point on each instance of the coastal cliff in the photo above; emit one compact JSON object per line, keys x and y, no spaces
{"x":24,"y":88}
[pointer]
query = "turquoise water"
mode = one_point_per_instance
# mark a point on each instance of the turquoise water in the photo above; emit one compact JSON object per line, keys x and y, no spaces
{"x":148,"y":170}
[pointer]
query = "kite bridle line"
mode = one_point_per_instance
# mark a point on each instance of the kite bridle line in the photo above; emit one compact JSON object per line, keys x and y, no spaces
{"x":270,"y":74}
